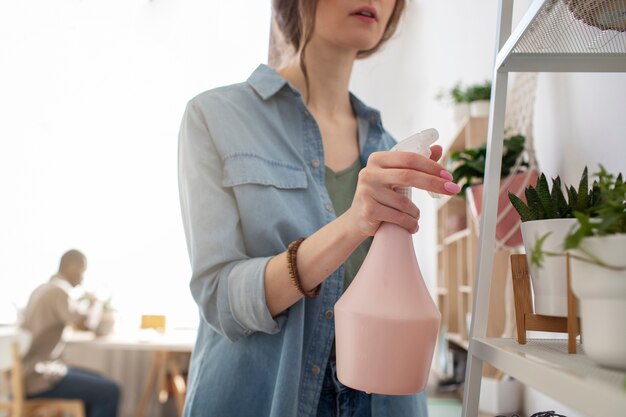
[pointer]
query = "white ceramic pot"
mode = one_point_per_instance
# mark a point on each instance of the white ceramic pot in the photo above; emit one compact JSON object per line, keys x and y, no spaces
{"x":460,"y":112}
{"x":550,"y":280}
{"x":602,"y":297}
{"x":479,"y":108}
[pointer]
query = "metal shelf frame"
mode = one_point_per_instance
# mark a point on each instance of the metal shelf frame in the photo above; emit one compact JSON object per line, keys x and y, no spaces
{"x":587,"y":397}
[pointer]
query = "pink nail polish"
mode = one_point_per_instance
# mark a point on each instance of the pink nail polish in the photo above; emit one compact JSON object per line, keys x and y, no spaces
{"x":451,"y":187}
{"x":445,"y":175}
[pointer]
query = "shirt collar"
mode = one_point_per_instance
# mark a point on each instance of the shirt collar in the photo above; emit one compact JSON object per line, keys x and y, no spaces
{"x":59,"y":281}
{"x":267,"y":82}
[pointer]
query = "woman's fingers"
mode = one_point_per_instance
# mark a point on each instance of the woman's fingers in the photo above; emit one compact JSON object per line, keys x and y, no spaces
{"x":408,"y":169}
{"x":406,"y":160}
{"x":378,"y":213}
{"x":435,"y":152}
{"x":440,"y":184}
{"x":396,"y":201}
{"x":376,"y":200}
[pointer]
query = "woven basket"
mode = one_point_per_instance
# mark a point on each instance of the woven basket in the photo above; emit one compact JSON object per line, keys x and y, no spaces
{"x":603,"y":14}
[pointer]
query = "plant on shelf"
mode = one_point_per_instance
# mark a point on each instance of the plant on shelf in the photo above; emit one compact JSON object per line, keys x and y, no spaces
{"x":477,"y":92}
{"x":468,"y":170}
{"x":469,"y":164}
{"x":596,"y":245}
{"x":541,"y":203}
{"x":546,"y":217}
{"x":472,"y":100}
{"x":455,"y":94}
{"x":602,"y":212}
{"x":460,"y":94}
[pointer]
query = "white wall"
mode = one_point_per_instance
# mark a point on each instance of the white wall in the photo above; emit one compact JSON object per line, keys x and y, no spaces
{"x":92,"y":94}
{"x":438,"y":44}
{"x":579,"y":118}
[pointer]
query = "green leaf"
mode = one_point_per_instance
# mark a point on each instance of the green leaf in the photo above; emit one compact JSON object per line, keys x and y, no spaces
{"x":558,"y":199}
{"x":572,"y":196}
{"x":522,"y":209}
{"x":537,"y":255}
{"x":582,"y":202}
{"x":582,"y":230}
{"x":534,"y":204}
{"x":544,"y":198}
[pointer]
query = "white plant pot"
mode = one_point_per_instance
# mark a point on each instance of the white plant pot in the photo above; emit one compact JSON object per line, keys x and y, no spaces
{"x":460,"y":112}
{"x":602,"y":296}
{"x":479,"y":108}
{"x":550,"y":280}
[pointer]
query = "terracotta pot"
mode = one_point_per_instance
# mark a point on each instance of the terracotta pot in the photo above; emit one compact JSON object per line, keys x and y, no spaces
{"x":508,"y":223}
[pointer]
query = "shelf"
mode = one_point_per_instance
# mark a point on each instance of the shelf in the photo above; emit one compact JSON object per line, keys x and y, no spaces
{"x":465,"y":289}
{"x":442,"y":291}
{"x":458,"y":340}
{"x":550,"y":37}
{"x":447,"y":199}
{"x":546,"y":365}
{"x":443,"y":200}
{"x":456,"y":236}
{"x":467,"y":126}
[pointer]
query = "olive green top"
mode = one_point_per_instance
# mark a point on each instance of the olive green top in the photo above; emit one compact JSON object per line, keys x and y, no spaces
{"x":341,"y":187}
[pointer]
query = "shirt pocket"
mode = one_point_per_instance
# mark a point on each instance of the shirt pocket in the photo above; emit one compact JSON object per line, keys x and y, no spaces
{"x":241,"y":169}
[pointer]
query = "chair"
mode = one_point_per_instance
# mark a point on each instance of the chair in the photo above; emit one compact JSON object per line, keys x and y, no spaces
{"x":17,"y":405}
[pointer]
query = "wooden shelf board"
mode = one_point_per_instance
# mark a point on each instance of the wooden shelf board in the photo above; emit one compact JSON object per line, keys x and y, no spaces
{"x":458,"y":340}
{"x":456,"y":236}
{"x":465,"y":289}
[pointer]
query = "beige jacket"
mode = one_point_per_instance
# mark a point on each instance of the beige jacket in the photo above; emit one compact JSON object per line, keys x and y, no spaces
{"x":49,"y":310}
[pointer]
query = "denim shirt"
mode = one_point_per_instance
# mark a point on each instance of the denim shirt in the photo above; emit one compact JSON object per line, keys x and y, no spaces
{"x":251,"y":180}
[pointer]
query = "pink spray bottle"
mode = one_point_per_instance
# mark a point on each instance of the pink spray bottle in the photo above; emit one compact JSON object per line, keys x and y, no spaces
{"x":386,"y":323}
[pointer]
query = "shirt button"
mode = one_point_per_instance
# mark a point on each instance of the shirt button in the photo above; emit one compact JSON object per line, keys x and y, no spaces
{"x":306,"y":113}
{"x":329,"y":314}
{"x":328,"y":207}
{"x":315,"y":163}
{"x":315,"y":369}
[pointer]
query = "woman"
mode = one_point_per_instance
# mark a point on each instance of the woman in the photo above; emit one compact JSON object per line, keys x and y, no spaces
{"x":264,"y":163}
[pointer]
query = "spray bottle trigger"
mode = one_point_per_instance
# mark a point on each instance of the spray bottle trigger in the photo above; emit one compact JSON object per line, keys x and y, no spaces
{"x":419,"y":143}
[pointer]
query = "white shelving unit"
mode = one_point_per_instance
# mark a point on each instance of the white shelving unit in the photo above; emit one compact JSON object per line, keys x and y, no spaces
{"x":549,"y":38}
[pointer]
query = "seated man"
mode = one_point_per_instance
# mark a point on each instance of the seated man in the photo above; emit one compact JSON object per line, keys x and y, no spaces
{"x":49,"y":310}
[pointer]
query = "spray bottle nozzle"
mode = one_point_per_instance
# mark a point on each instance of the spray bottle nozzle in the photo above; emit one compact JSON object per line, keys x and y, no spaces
{"x":418,"y":143}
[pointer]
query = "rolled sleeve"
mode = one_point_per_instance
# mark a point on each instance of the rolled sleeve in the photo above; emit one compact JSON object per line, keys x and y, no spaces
{"x":227,"y":285}
{"x":244,"y":301}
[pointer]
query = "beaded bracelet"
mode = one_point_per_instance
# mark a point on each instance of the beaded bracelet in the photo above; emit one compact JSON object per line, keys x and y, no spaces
{"x":292,"y":267}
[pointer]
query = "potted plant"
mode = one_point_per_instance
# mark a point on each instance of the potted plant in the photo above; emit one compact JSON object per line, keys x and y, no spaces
{"x":469,"y":172}
{"x":106,"y":320}
{"x":548,"y":216}
{"x":478,"y":96}
{"x":460,"y":108}
{"x":597,"y":245}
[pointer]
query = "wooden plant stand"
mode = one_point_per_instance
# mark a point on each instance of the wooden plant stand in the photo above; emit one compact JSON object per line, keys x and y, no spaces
{"x":525,"y":317}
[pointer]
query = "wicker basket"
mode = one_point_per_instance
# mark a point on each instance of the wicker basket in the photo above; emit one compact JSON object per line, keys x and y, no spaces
{"x":603,"y":14}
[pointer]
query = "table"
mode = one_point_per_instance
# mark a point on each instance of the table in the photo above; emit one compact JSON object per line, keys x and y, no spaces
{"x":165,"y":348}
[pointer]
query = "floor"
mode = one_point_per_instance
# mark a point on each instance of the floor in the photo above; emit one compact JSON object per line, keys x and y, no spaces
{"x":445,"y":404}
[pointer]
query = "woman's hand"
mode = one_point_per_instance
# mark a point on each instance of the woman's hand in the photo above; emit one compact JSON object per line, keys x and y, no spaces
{"x":376,"y":200}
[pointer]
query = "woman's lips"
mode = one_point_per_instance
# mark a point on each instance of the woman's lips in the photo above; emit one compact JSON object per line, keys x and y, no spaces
{"x":366,"y":14}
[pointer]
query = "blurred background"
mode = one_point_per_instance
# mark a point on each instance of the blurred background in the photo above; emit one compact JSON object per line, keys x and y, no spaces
{"x":92,"y":94}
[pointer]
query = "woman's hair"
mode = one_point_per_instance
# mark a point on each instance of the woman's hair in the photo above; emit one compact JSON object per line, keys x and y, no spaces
{"x":296,"y":20}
